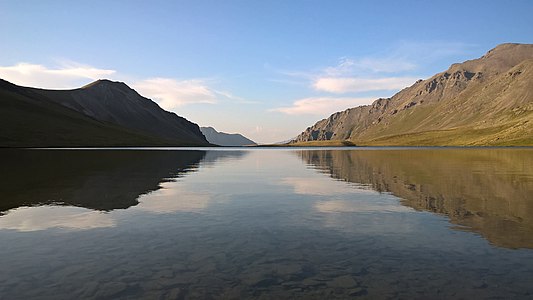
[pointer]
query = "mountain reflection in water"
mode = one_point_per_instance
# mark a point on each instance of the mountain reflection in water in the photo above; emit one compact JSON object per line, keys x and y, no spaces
{"x":99,"y":180}
{"x":95,"y":179}
{"x":261,"y":223}
{"x":487,"y":191}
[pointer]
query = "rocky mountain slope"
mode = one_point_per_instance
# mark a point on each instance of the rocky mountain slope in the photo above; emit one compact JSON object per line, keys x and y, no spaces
{"x":225,"y":139}
{"x":103,"y":113}
{"x":485,"y":101}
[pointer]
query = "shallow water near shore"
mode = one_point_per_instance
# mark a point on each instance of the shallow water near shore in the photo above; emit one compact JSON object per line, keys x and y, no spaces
{"x":234,"y":223}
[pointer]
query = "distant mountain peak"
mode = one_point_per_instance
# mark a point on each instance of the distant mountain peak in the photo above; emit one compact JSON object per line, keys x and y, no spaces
{"x":508,"y":46}
{"x":498,"y":59}
{"x":106,"y":83}
{"x":514,"y":51}
{"x":225,"y":139}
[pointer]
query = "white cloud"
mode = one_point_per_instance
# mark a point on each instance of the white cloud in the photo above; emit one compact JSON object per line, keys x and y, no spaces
{"x":340,"y":85}
{"x":392,"y":69}
{"x":67,"y":76}
{"x":349,"y":66}
{"x":172,"y":93}
{"x":364,"y":74}
{"x":322,"y":105}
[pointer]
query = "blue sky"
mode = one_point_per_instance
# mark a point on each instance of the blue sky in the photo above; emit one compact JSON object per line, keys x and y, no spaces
{"x":267,"y":69}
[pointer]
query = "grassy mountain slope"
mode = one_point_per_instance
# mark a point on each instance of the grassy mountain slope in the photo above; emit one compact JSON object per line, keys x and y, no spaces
{"x":486,"y":101}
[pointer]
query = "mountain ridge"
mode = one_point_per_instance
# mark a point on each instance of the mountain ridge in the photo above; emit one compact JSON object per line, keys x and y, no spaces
{"x":225,"y":139}
{"x":116,"y":102}
{"x":484,"y":101}
{"x":103,"y":113}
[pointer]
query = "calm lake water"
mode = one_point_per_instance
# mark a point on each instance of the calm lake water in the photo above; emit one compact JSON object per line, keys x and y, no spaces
{"x":427,"y":223}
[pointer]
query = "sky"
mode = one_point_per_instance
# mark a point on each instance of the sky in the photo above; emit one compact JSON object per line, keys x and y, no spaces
{"x":265,"y":69}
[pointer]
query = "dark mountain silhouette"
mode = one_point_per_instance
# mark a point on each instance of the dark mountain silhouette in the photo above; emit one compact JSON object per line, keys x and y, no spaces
{"x":94,"y":179}
{"x":225,"y":139}
{"x":103,"y":113}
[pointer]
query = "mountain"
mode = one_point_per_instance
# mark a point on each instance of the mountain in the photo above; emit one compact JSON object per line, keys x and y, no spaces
{"x":497,"y":205}
{"x":103,"y":113}
{"x":225,"y":139}
{"x":485,"y":101}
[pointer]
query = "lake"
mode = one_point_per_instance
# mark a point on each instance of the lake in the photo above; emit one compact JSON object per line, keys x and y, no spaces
{"x":379,"y":223}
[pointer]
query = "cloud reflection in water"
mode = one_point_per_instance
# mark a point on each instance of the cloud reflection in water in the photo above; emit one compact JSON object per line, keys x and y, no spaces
{"x":61,"y":217}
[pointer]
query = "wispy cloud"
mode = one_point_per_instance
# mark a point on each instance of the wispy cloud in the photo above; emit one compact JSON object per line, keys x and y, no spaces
{"x":403,"y":56}
{"x":352,"y":75}
{"x":424,"y":52}
{"x":172,"y":93}
{"x":363,"y":75}
{"x":348,"y":67}
{"x":351,"y":66}
{"x":341,"y":85}
{"x":66,"y":76}
{"x":228,"y":96}
{"x":322,"y":105}
{"x":392,"y":69}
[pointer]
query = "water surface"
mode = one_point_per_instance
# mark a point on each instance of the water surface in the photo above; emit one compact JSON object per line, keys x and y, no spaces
{"x":266,"y":223}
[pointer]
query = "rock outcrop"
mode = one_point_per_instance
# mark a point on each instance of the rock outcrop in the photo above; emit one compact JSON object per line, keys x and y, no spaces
{"x":485,"y":101}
